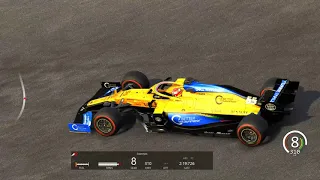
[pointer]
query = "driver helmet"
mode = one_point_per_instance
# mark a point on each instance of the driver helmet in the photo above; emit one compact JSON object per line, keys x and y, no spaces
{"x":176,"y":92}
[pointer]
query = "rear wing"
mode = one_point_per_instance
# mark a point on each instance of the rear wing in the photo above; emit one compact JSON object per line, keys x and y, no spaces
{"x":283,"y":92}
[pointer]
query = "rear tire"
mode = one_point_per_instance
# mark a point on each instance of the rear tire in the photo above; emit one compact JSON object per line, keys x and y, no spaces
{"x":268,"y":85}
{"x":252,"y":130}
{"x":135,"y":79}
{"x":107,"y":121}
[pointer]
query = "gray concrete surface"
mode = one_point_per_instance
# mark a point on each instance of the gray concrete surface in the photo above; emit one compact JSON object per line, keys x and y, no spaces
{"x":64,"y":48}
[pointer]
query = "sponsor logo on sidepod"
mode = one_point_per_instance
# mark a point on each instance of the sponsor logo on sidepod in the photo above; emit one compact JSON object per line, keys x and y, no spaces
{"x":239,"y":112}
{"x":177,"y":119}
{"x":220,"y":100}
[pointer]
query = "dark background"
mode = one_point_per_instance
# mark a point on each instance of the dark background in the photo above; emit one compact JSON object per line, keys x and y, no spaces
{"x":172,"y":160}
{"x":63,"y":49}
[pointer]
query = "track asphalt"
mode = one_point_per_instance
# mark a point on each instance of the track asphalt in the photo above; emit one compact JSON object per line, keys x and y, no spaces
{"x":63,"y":49}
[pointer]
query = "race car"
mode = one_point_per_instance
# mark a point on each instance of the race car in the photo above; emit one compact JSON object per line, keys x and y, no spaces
{"x":186,"y":105}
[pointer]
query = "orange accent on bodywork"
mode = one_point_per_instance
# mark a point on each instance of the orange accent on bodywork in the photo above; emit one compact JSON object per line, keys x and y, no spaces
{"x":262,"y":92}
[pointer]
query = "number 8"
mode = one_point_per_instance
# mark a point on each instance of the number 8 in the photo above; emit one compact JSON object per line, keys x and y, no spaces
{"x":133,"y":161}
{"x":294,"y":143}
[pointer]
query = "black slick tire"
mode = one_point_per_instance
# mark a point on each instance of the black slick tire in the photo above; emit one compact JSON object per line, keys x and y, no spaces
{"x":108,"y":118}
{"x":253,"y":126}
{"x":136,"y":79}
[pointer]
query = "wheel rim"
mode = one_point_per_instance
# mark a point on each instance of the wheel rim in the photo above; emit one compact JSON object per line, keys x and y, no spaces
{"x":104,"y":125}
{"x":249,"y":136}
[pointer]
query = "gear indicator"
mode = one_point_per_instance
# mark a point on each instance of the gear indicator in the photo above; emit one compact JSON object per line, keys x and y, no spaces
{"x":294,"y":141}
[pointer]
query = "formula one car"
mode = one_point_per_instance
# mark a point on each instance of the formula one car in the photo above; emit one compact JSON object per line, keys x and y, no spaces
{"x":186,"y":105}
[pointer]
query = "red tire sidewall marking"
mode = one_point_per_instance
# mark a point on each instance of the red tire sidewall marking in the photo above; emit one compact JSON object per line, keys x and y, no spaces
{"x":254,"y":129}
{"x":133,"y":81}
{"x":100,"y":132}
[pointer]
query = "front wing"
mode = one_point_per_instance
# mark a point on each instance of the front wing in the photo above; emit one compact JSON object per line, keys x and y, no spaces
{"x":84,"y":117}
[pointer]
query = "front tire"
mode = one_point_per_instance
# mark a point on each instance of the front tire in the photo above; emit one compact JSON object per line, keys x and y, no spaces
{"x":107,"y":121}
{"x":252,"y":130}
{"x":135,"y":79}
